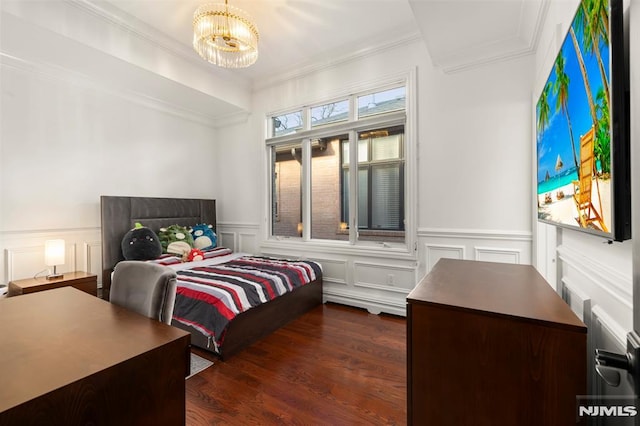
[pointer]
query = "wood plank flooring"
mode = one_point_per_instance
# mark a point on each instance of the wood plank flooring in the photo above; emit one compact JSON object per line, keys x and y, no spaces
{"x":335,"y":365}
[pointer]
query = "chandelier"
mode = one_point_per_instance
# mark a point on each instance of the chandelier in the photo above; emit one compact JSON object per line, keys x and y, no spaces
{"x":225,"y":36}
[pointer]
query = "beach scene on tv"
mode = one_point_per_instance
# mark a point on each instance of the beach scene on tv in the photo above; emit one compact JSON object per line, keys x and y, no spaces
{"x":573,"y":135}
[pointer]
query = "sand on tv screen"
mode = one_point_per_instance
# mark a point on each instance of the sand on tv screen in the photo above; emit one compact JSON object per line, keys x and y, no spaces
{"x":573,"y":137}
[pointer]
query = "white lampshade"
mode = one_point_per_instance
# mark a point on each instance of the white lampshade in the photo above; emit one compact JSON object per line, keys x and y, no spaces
{"x":54,"y":252}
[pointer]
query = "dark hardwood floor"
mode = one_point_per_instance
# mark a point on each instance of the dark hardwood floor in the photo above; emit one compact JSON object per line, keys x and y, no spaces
{"x":335,"y":365}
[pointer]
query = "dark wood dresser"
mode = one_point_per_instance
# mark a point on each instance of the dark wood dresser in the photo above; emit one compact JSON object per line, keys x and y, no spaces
{"x":492,"y":344}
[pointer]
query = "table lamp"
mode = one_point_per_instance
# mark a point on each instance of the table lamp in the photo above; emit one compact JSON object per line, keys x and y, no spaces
{"x":53,"y":256}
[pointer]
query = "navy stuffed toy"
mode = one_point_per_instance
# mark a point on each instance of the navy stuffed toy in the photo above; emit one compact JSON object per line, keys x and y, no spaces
{"x":203,"y":236}
{"x":141,"y":243}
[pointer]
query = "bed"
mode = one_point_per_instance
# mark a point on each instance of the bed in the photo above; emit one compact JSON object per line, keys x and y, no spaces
{"x":119,"y":214}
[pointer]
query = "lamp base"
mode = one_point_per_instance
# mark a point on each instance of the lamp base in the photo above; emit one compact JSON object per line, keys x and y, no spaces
{"x":54,"y":276}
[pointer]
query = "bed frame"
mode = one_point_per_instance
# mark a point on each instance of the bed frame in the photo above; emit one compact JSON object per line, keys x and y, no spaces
{"x":119,"y":214}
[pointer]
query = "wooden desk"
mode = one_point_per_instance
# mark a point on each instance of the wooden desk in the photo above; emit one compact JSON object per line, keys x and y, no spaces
{"x":492,"y":344}
{"x":68,"y":358}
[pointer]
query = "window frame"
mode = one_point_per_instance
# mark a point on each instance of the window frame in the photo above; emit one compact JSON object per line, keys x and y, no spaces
{"x":351,"y":127}
{"x":369,"y":166}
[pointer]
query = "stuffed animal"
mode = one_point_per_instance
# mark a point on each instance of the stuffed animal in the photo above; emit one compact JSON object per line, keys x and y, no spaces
{"x":193,"y":255}
{"x":141,"y":243}
{"x":203,"y":236}
{"x":175,"y":239}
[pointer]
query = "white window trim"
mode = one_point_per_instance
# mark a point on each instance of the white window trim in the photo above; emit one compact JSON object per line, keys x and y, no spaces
{"x":389,"y":119}
{"x":406,"y":251}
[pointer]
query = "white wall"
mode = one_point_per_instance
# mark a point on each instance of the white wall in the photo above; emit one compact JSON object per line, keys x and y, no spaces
{"x":475,"y":165}
{"x":594,"y":277}
{"x":68,"y":136}
{"x":84,"y":35}
{"x":473,"y":171}
{"x":473,"y":149}
{"x":474,"y":128}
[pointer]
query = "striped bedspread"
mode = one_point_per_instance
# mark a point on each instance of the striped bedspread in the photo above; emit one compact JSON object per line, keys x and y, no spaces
{"x":211,"y":292}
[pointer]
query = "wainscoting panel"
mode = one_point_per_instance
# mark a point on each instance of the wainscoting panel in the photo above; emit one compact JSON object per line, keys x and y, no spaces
{"x":580,"y":304}
{"x":376,"y":276}
{"x":380,"y":282}
{"x":435,"y":252}
{"x":247,"y":243}
{"x":24,"y":252}
{"x":577,"y":300}
{"x":376,"y":286}
{"x":239,"y":237}
{"x":333,"y":271}
{"x":93,"y":258}
{"x":502,"y":255}
{"x":607,"y":288}
{"x":352,"y":277}
{"x":601,"y":296}
{"x":227,"y":239}
{"x":472,"y":244}
{"x":20,"y":262}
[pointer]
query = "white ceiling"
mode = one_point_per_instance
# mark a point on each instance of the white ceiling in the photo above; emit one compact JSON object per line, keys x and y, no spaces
{"x":299,"y":33}
{"x":463,"y":33}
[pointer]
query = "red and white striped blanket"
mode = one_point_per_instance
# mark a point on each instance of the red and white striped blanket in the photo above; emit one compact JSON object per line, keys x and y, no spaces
{"x":211,"y":292}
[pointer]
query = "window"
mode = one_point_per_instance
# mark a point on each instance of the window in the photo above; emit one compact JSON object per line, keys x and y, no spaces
{"x":330,"y":113}
{"x":336,"y":162}
{"x":287,"y":123}
{"x":326,"y":223}
{"x":287,"y":190}
{"x":380,"y":184}
{"x":382,"y":102}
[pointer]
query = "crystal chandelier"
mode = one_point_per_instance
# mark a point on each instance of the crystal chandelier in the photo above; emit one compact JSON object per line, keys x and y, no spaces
{"x":225,"y":36}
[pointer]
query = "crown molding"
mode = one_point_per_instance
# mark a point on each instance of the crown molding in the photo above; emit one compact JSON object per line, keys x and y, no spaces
{"x":529,"y":49}
{"x":58,"y":73}
{"x":520,"y":53}
{"x":310,"y":67}
{"x":151,"y":35}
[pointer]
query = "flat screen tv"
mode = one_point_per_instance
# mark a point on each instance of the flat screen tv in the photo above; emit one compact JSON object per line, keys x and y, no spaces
{"x":582,"y":127}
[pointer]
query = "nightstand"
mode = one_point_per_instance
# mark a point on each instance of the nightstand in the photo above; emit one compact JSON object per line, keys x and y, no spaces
{"x":80,"y":280}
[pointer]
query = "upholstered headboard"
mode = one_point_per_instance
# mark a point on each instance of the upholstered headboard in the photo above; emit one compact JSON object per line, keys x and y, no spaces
{"x":119,"y":215}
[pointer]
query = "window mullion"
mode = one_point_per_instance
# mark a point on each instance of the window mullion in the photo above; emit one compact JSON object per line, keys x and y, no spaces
{"x":353,"y":187}
{"x":306,"y":189}
{"x":306,"y":116}
{"x":272,"y":188}
{"x":352,"y":109}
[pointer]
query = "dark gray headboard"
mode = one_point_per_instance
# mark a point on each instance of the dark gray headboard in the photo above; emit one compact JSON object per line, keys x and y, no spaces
{"x":119,"y":215}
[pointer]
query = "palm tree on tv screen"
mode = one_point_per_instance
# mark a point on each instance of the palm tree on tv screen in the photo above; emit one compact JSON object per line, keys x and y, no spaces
{"x":585,"y":79}
{"x":602,"y":147}
{"x":592,"y":20}
{"x":544,"y":112}
{"x":561,"y":90}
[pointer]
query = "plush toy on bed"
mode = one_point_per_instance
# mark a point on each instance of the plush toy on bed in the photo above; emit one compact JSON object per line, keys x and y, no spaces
{"x":141,"y":243}
{"x":176,"y":239}
{"x":193,"y":256}
{"x":203,"y":236}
